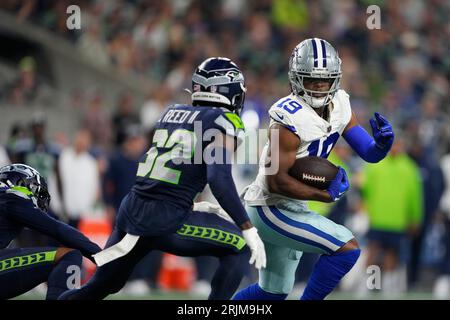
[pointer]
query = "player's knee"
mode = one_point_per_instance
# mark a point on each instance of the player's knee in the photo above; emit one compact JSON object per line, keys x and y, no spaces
{"x":349,"y":246}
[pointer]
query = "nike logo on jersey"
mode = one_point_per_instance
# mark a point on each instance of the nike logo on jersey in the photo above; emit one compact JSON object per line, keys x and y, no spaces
{"x":280,"y":116}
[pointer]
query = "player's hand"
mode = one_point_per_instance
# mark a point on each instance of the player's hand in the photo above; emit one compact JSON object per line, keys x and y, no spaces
{"x":339,"y":185}
{"x":205,"y":206}
{"x":382,"y":131}
{"x":256,"y":246}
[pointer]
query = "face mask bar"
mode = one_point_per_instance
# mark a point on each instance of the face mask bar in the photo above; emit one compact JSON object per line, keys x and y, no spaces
{"x":298,"y":88}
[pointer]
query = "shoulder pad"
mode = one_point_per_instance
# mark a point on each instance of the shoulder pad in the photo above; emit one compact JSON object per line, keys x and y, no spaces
{"x":229,"y":123}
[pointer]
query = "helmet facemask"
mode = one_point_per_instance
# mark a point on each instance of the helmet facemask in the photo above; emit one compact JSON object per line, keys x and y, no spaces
{"x":298,"y":88}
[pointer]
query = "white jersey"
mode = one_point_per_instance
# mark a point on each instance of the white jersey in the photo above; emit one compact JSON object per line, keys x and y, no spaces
{"x":317,"y":136}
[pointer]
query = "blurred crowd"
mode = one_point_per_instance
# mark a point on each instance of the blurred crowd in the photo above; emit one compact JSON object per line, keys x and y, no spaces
{"x":399,"y":209}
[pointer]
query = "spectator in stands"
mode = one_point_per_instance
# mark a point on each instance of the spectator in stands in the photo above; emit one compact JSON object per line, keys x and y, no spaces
{"x":122,"y":168}
{"x":17,"y":136}
{"x":119,"y":179}
{"x":392,"y":195}
{"x":42,"y":154}
{"x":124,"y":117}
{"x":157,"y":100}
{"x":25,"y":89}
{"x":433,"y":187}
{"x":80,"y":178}
{"x":97,"y":122}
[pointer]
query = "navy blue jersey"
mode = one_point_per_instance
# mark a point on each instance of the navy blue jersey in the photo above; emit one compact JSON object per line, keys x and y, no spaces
{"x":18,"y":210}
{"x":173,"y":169}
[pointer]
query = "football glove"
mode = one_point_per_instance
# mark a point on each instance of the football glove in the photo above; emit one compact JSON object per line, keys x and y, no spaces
{"x":258,"y":252}
{"x":382,"y":132}
{"x":205,"y":206}
{"x":339,"y":185}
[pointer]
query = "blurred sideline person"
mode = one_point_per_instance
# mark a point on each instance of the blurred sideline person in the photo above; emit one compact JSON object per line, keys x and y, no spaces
{"x":41,"y":153}
{"x":118,"y":181}
{"x":393,"y":199}
{"x":432,"y":181}
{"x":123,"y":117}
{"x":158,"y":212}
{"x":80,"y":178}
{"x":310,"y":121}
{"x":441,"y":289}
{"x":24,"y":201}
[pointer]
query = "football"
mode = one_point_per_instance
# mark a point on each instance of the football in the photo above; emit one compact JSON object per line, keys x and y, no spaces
{"x":314,"y":171}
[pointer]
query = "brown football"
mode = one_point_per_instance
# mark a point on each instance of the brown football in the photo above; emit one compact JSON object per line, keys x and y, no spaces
{"x":314,"y":171}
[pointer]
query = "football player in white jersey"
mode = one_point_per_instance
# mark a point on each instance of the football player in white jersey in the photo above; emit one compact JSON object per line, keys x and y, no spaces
{"x":310,"y":120}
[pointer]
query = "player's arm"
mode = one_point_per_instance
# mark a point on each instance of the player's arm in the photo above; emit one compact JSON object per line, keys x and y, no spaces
{"x":370,"y":149}
{"x":221,"y":181}
{"x":281,"y":182}
{"x":26,"y":214}
{"x":222,"y":186}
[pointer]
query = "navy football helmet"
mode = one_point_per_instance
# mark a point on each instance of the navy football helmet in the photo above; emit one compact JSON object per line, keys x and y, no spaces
{"x":21,"y":175}
{"x":219,"y":81}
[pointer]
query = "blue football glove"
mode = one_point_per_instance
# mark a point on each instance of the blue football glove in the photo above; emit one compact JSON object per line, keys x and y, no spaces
{"x":382,"y":132}
{"x":339,"y":185}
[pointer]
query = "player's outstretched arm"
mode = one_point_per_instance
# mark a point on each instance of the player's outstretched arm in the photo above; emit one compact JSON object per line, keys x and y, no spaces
{"x":281,"y":182}
{"x":370,"y":149}
{"x":25,"y":214}
{"x":222,"y":186}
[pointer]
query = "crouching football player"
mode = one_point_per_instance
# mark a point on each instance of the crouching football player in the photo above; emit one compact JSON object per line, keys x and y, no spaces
{"x":24,"y":201}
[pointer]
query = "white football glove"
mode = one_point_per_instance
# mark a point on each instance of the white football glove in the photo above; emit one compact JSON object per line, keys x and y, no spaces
{"x":205,"y":206}
{"x":256,"y":246}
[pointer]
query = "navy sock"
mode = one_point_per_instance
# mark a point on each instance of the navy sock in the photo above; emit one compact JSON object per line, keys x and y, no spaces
{"x":57,"y":280}
{"x":327,"y":273}
{"x":254,"y":292}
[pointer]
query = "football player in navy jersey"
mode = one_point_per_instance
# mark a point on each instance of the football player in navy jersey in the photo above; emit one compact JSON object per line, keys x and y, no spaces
{"x":188,"y":145}
{"x":24,"y":201}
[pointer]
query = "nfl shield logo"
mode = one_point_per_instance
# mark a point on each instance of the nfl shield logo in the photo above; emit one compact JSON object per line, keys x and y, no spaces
{"x":196,"y":87}
{"x":213,"y":89}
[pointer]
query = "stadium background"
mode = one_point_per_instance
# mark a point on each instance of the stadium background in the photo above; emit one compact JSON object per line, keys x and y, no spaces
{"x":80,"y":105}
